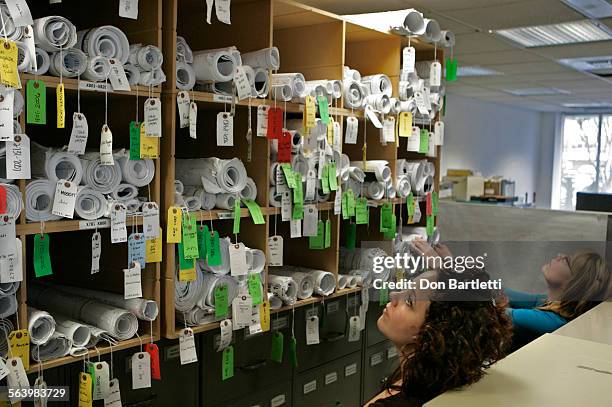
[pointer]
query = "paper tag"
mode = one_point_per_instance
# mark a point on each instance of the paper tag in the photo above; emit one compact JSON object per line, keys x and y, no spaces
{"x":424,"y":141}
{"x":119,"y":80}
{"x":323,"y":105}
{"x":221,"y":300}
{"x":255,"y":324}
{"x":371,"y":115}
{"x":413,"y":143}
{"x":227,"y":362}
{"x":153,"y":352}
{"x":64,"y":198}
{"x":118,"y":226}
{"x":225,"y":129}
{"x":20,"y":12}
{"x":222,"y":10}
{"x":149,"y":146}
{"x":362,"y":213}
{"x":85,"y":390}
{"x":36,"y":99}
{"x":7,"y":233}
{"x":439,"y":133}
{"x":152,"y":116}
{"x":264,"y":316}
{"x":61,"y":107}
{"x":213,"y":254}
{"x":388,"y":130}
{"x":275,"y":251}
{"x":182,"y":101}
{"x":128,"y":9}
{"x":296,"y":228}
{"x":11,"y":265}
{"x":417,"y":213}
{"x":193,"y":120}
{"x":28,"y":40}
{"x":173,"y":232}
{"x":408,"y":57}
{"x":78,"y":135}
{"x":17,"y":377}
{"x":354,"y":331}
{"x":226,"y":334}
{"x":141,"y":370}
{"x":405,"y":124}
{"x":7,"y":96}
{"x":262,"y":120}
{"x":136,"y":249}
{"x":134,"y":140}
{"x":96,"y":252}
{"x":451,"y":69}
{"x":243,"y":87}
{"x":19,"y":344}
{"x":284,"y":147}
{"x":338,"y":201}
{"x":276,"y":353}
{"x":310,"y":113}
{"x":18,"y":158}
{"x":254,"y":211}
{"x":311,"y":182}
{"x":42,"y":260}
{"x":150,"y":214}
{"x":311,"y":218}
{"x":101,"y":380}
{"x":8,"y":63}
{"x":435,"y":74}
{"x":241,"y":311}
{"x":106,"y":146}
{"x":187,"y":347}
{"x":154,"y":249}
{"x":113,"y":398}
{"x":419,"y":99}
{"x":312,"y":330}
{"x":132,"y":286}
{"x":275,"y":122}
{"x":286,"y":206}
{"x":238,"y":264}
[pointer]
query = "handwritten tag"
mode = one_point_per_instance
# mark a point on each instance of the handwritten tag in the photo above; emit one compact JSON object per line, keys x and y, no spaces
{"x":225,"y":129}
{"x":187,"y":347}
{"x":408,"y":59}
{"x":8,"y":63}
{"x":118,"y":78}
{"x":275,"y":251}
{"x":19,"y":344}
{"x":173,"y":232}
{"x":152,"y":114}
{"x":149,"y":146}
{"x":61,"y":106}
{"x":182,"y":102}
{"x":96,"y":252}
{"x":7,"y":96}
{"x":136,"y":249}
{"x":106,"y":146}
{"x":222,"y":10}
{"x":141,"y":370}
{"x":118,"y":216}
{"x":79,"y":134}
{"x":42,"y":260}
{"x":128,"y":9}
{"x":150,"y":226}
{"x":262,"y":120}
{"x":243,"y":87}
{"x":351,"y":130}
{"x":193,"y":120}
{"x":64,"y":198}
{"x":132,"y":286}
{"x":275,"y":123}
{"x":18,"y":158}
{"x":36,"y":98}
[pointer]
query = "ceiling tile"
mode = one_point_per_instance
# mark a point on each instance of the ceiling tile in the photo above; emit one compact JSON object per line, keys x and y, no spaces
{"x":601,"y":48}
{"x":530,"y":67}
{"x":496,"y":58}
{"x":474,"y":43}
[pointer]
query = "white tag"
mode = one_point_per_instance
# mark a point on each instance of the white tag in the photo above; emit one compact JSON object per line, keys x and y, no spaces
{"x":118,"y":227}
{"x":255,"y":324}
{"x":132,"y":286}
{"x":439,"y":131}
{"x":18,"y":158}
{"x":128,"y":9}
{"x":286,"y":206}
{"x":187,"y":347}
{"x":10,"y":265}
{"x":193,"y":120}
{"x":96,"y":252}
{"x":209,"y":6}
{"x":296,"y":228}
{"x":106,"y":146}
{"x":223,"y":98}
{"x":182,"y":101}
{"x":226,"y":334}
{"x":7,"y":96}
{"x":64,"y":198}
{"x":321,"y":164}
{"x":431,"y":145}
{"x":17,"y":377}
{"x":117,"y":77}
{"x":238,"y":263}
{"x":94,"y":224}
{"x":243,"y":87}
{"x":7,"y":236}
{"x":152,"y":114}
{"x":337,"y":136}
{"x":312,"y":330}
{"x":311,"y":183}
{"x":275,"y":251}
{"x":113,"y":398}
{"x":416,"y":216}
{"x":222,"y":10}
{"x":241,"y":311}
{"x":225,"y":129}
{"x":388,"y":130}
{"x":370,"y":114}
{"x":101,"y":380}
{"x":435,"y":73}
{"x":262,"y":120}
{"x":338,"y":201}
{"x":150,"y":226}
{"x":3,"y":369}
{"x":311,"y":219}
{"x":354,"y":331}
{"x":78,"y":135}
{"x":408,"y":57}
{"x":413,"y":143}
{"x":28,"y":40}
{"x":419,"y":98}
{"x":20,"y":12}
{"x":141,"y":370}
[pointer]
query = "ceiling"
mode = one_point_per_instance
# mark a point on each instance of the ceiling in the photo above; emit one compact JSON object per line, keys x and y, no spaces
{"x":521,"y":68}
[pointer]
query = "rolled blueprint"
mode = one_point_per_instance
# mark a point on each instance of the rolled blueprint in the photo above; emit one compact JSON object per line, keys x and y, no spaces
{"x":152,"y":78}
{"x":193,"y":203}
{"x":295,"y":80}
{"x":132,"y":74}
{"x":187,"y":293}
{"x":403,"y":186}
{"x":185,"y":76}
{"x":250,"y":190}
{"x":56,"y":347}
{"x":380,"y":102}
{"x":353,"y":94}
{"x":304,"y":280}
{"x":70,"y":62}
{"x":18,"y":104}
{"x":378,"y":168}
{"x":145,"y":57}
{"x":208,"y":200}
{"x":43,"y":62}
{"x":267,"y":58}
{"x":8,"y":306}
{"x":275,"y":301}
{"x":23,"y":57}
{"x":41,"y":326}
{"x":98,"y":68}
{"x":78,"y":333}
{"x":350,"y":74}
{"x":224,"y":267}
{"x":275,"y":198}
{"x":54,"y":32}
{"x":210,"y":282}
{"x":432,"y":30}
{"x":14,"y":200}
{"x":124,"y":192}
{"x":183,"y":50}
{"x":421,"y":176}
{"x":133,"y":206}
{"x":283,"y":287}
{"x":300,"y":164}
{"x":216,"y":175}
{"x":6,"y":327}
{"x":447,"y":39}
{"x":139,"y":173}
{"x":225,"y":201}
{"x":107,"y":41}
{"x":282,"y":92}
{"x":342,"y":281}
{"x":179,"y":188}
{"x":101,"y":178}
{"x":374,"y":190}
{"x":350,"y":281}
{"x":257,"y":260}
{"x":391,"y":192}
{"x":378,"y":84}
{"x":39,"y":201}
{"x":90,"y":204}
{"x":196,"y":316}
{"x":215,"y":65}
{"x":8,"y":28}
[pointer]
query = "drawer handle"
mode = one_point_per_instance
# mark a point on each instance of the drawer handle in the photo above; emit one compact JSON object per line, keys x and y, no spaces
{"x":334,"y":336}
{"x":254,"y":366}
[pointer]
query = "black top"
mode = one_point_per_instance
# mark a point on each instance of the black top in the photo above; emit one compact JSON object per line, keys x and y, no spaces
{"x":398,"y":401}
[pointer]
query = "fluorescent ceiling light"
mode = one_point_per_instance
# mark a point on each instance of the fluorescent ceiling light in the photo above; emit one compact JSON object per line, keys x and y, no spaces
{"x":476,"y":71}
{"x":557,"y":34}
{"x":588,"y":105}
{"x":536,"y":91}
{"x":591,"y":8}
{"x":598,"y":64}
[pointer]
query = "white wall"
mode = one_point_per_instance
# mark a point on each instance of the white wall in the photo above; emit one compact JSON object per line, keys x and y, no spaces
{"x":497,"y":139}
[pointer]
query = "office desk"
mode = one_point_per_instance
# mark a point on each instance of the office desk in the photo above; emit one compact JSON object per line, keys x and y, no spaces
{"x":553,"y":370}
{"x":595,"y":325}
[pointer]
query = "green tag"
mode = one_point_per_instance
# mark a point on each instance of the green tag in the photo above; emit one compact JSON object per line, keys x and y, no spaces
{"x":201,"y":235}
{"x":345,"y":213}
{"x":255,"y":211}
{"x":386,"y":211}
{"x":92,"y":372}
{"x":325,"y":179}
{"x":190,"y":237}
{"x":383,"y":296}
{"x":254,"y":284}
{"x":327,"y":234}
{"x":276,"y":354}
{"x":221,"y":301}
{"x":424,"y":142}
{"x":451,"y":69}
{"x":361,"y":211}
{"x":350,"y":201}
{"x":390,"y":232}
{"x":134,"y":140}
{"x":237,"y":216}
{"x":410,"y":204}
{"x":333,"y":180}
{"x":227,"y":366}
{"x":289,"y":177}
{"x":430,"y":225}
{"x":298,"y":198}
{"x":351,"y":236}
{"x":293,"y":352}
{"x":36,"y":98}
{"x":184,"y":264}
{"x":213,"y":254}
{"x":317,"y":242}
{"x":42,"y":261}
{"x":434,"y":203}
{"x":323,"y":109}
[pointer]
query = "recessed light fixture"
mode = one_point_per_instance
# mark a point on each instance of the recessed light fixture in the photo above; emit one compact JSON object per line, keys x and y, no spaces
{"x":476,"y":71}
{"x":588,"y":105}
{"x":601,"y":65}
{"x":558,"y":34}
{"x":591,"y":8}
{"x":536,"y":91}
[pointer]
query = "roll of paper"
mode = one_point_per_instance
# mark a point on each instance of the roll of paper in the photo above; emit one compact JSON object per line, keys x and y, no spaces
{"x":224,"y":267}
{"x":18,"y":104}
{"x":210,"y":282}
{"x":216,"y":175}
{"x":432,"y":32}
{"x":275,"y":301}
{"x":250,"y":190}
{"x":78,"y":333}
{"x":8,"y":306}
{"x":152,"y":78}
{"x":8,"y":27}
{"x":54,"y":32}
{"x":403,"y":186}
{"x":43,"y":62}
{"x":187,"y":293}
{"x":379,"y":102}
{"x":98,"y":68}
{"x":274,"y":197}
{"x":101,"y":178}
{"x":132,"y":74}
{"x":258,"y":261}
{"x":183,"y":50}
{"x":193,"y":203}
{"x":90,"y":204}
{"x":378,"y":168}
{"x":215,"y":65}
{"x":139,"y":173}
{"x":261,"y":82}
{"x":133,"y":206}
{"x":6,"y":327}
{"x":14,"y":200}
{"x":185,"y":76}
{"x":179,"y":187}
{"x":23,"y":57}
{"x":145,"y":57}
{"x":342,"y":281}
{"x":57,"y":346}
{"x":350,"y":281}
{"x":304,"y":281}
{"x":70,"y":62}
{"x":447,"y":39}
{"x":225,"y":201}
{"x":374,"y":190}
{"x":41,"y":326}
{"x":283,"y":287}
{"x":39,"y":201}
{"x":107,"y":41}
{"x":378,"y":84}
{"x":267,"y":58}
{"x":124,"y":192}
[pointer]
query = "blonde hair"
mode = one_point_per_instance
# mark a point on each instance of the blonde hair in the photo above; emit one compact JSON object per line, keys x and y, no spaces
{"x":588,"y":285}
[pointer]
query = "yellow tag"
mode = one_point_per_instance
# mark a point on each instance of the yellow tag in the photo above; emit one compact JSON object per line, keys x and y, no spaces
{"x":364,"y":155}
{"x":153,"y":249}
{"x":8,"y":64}
{"x":174,"y":225}
{"x":188,"y":275}
{"x":149,"y":146}
{"x":264,"y":315}
{"x":19,"y":342}
{"x":330,"y":131}
{"x":61,"y":109}
{"x":405,"y":124}
{"x":309,"y":113}
{"x":85,"y":398}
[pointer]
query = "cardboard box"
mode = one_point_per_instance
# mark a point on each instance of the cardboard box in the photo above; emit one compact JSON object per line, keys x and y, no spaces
{"x":466,"y":187}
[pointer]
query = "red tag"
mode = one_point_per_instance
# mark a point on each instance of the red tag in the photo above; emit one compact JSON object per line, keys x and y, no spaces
{"x":153,"y":350}
{"x":284,"y":147}
{"x":275,"y":123}
{"x":429,"y":209}
{"x":3,"y":195}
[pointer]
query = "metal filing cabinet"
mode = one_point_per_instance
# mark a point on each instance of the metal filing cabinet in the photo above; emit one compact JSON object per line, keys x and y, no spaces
{"x":334,"y":384}
{"x":372,"y":334}
{"x":253,"y":369}
{"x":379,"y":362}
{"x":278,"y":395}
{"x":333,"y":340}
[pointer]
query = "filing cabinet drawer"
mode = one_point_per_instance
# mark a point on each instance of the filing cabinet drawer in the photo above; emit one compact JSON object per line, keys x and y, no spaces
{"x":278,"y":395}
{"x":379,"y":362}
{"x":372,"y":334}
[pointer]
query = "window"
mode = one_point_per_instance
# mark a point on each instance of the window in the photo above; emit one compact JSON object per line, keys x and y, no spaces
{"x":586,"y":157}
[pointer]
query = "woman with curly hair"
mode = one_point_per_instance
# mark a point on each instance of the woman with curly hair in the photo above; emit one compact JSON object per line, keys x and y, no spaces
{"x":446,"y":338}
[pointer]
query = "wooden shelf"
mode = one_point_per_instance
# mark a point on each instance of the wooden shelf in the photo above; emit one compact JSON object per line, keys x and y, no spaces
{"x":72,"y":84}
{"x":58,"y":226}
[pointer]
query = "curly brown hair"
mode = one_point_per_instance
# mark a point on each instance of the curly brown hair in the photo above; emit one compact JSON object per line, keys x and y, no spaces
{"x":463,"y":334}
